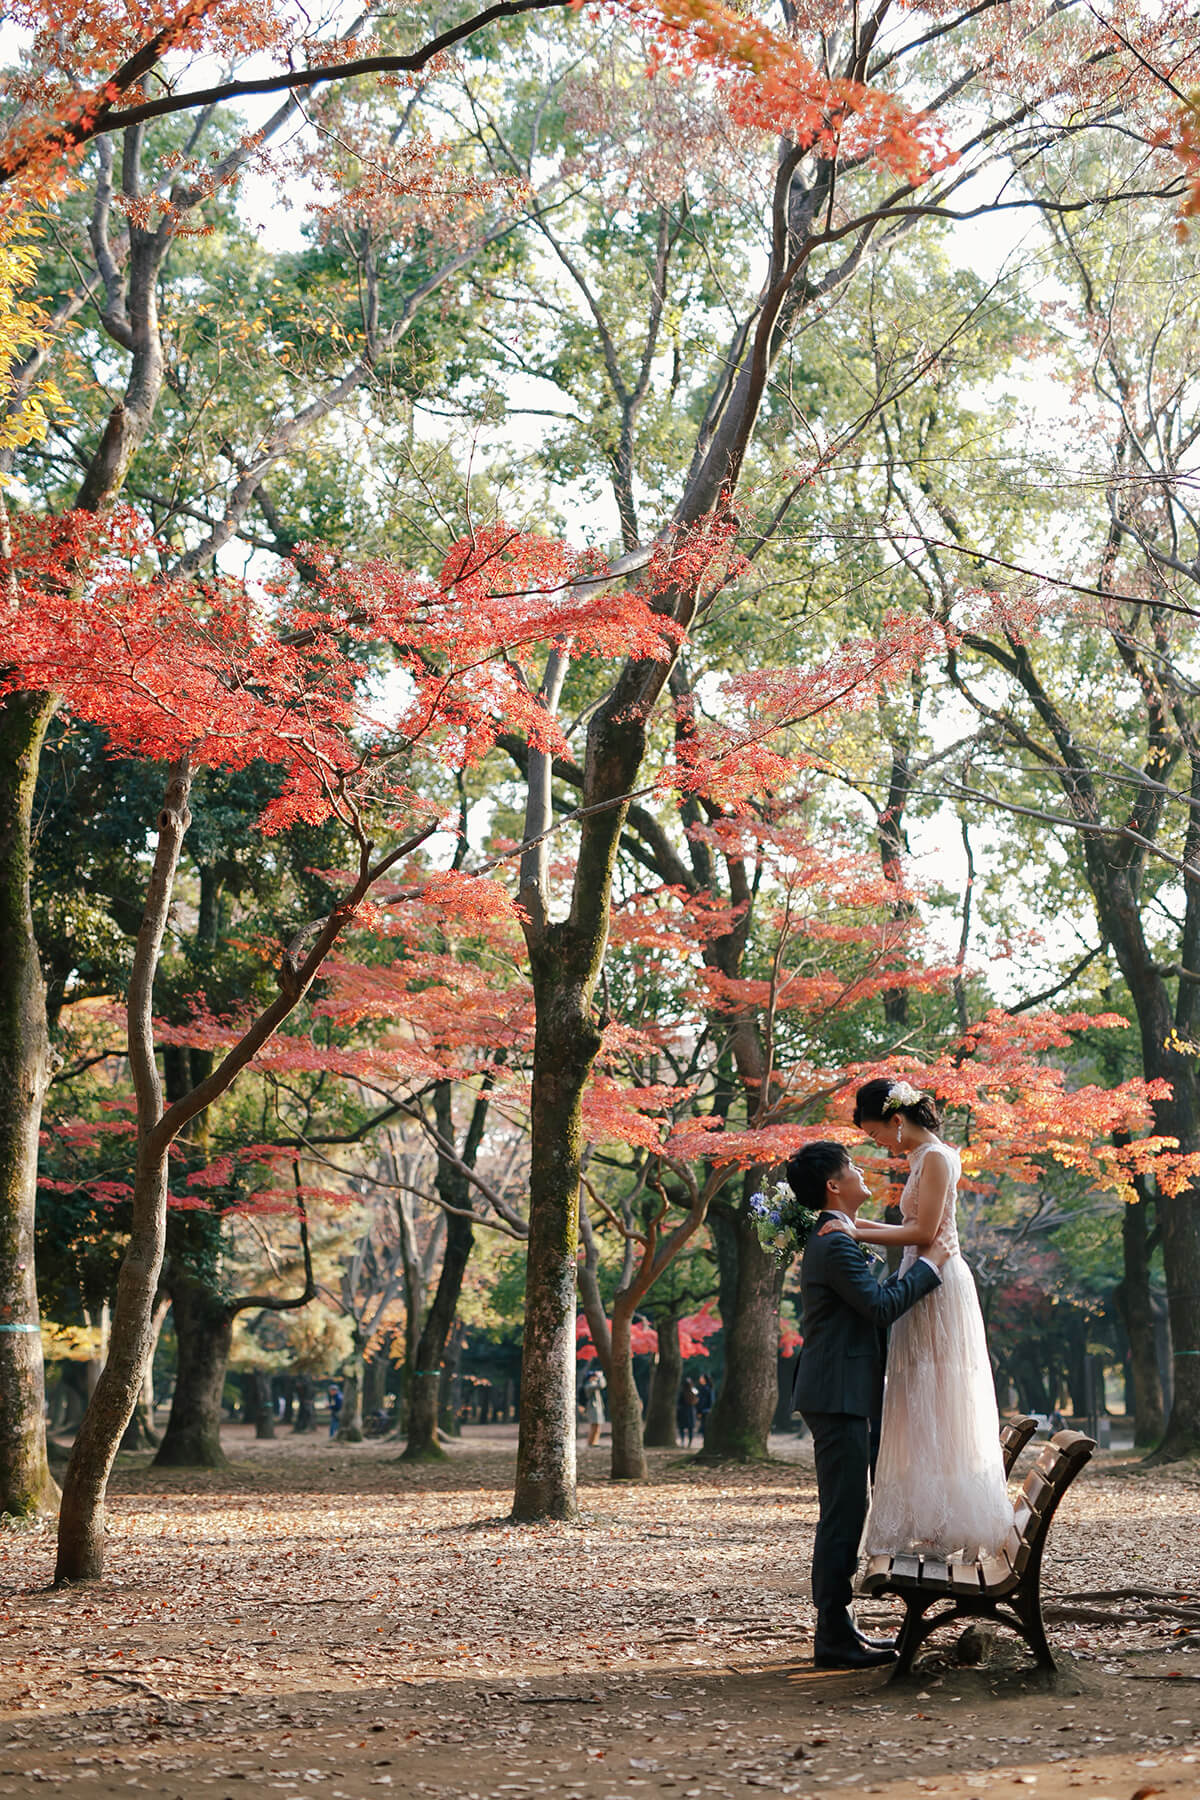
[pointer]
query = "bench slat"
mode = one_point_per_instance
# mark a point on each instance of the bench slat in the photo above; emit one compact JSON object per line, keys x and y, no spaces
{"x":906,"y":1568}
{"x":878,"y":1571}
{"x":1018,"y":1547}
{"x":1074,"y":1444}
{"x":933,"y":1569}
{"x":1036,"y":1491}
{"x":996,"y":1572}
{"x":964,"y":1577}
{"x":1060,"y":1458}
{"x":1013,"y":1438}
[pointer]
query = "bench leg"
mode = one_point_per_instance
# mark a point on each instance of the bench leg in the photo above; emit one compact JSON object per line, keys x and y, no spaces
{"x":915,"y":1629}
{"x":1022,"y":1614}
{"x":1027,"y":1604}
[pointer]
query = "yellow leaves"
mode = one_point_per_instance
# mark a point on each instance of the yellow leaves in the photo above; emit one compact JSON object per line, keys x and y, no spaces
{"x":69,"y":1343}
{"x":24,"y":329}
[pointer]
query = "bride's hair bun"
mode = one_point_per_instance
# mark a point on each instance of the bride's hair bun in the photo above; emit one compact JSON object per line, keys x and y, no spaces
{"x":885,"y":1099}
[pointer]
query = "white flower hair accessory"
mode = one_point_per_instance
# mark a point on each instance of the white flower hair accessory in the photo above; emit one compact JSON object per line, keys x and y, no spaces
{"x":901,"y":1093}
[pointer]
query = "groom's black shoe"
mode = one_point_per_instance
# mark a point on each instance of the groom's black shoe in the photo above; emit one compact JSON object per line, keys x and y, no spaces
{"x":853,"y":1656}
{"x":875,"y":1643}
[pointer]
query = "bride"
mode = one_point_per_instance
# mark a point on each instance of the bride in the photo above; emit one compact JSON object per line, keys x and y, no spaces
{"x":939,"y":1484}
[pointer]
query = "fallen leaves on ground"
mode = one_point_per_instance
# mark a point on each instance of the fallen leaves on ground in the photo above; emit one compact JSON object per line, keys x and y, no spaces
{"x":323,"y":1576}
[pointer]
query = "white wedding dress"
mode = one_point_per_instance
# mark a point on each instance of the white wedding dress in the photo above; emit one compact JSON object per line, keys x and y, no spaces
{"x":939,"y":1485}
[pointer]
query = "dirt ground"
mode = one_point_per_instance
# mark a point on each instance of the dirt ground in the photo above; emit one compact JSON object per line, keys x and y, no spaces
{"x":325,"y":1619}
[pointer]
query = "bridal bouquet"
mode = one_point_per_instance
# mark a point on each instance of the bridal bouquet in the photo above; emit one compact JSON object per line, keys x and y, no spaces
{"x":782,"y":1224}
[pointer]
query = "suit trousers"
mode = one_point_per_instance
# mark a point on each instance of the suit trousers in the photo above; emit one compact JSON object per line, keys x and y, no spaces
{"x":842,"y":1448}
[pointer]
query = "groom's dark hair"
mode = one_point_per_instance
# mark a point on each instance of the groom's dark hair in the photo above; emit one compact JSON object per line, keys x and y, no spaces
{"x":810,"y":1167}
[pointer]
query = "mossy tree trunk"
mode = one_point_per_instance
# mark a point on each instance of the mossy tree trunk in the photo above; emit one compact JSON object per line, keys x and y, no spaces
{"x":624,"y":1401}
{"x":81,"y":1523}
{"x":657,"y":1251}
{"x":1133,"y":1300}
{"x":454,"y":1190}
{"x":27,"y":1489}
{"x":204,"y":1337}
{"x":204,"y":1319}
{"x":81,"y":1518}
{"x":423,"y":1443}
{"x":566,"y":1043}
{"x":375,"y":1373}
{"x":350,"y":1430}
{"x":305,"y":1415}
{"x":264,"y":1404}
{"x":566,"y":955}
{"x":751,"y":1280}
{"x":664,"y":1385}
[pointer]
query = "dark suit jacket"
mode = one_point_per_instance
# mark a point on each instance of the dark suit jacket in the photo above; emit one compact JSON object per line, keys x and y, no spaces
{"x":845,"y":1311}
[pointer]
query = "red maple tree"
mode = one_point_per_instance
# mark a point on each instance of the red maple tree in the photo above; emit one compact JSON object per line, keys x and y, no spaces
{"x":217,"y":674}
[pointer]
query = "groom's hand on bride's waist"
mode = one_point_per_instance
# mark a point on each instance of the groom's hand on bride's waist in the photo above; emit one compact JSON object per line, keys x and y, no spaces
{"x":937,"y":1254}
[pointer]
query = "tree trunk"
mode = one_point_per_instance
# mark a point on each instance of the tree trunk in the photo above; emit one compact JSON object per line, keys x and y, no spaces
{"x":565,"y":1045}
{"x":305,"y":1418}
{"x":140,"y":1434}
{"x":1178,"y":1214}
{"x":546,"y":1457}
{"x":160,"y":1319}
{"x":27,"y":1489}
{"x":131,"y":1340}
{"x":1076,"y":1370}
{"x":414,"y":1304}
{"x":750,"y":1280}
{"x":450,"y":1389}
{"x":423,"y":1444}
{"x":1133,"y":1302}
{"x":1030,"y":1382}
{"x":375,"y":1374}
{"x":589,"y":1291}
{"x":565,"y":960}
{"x":81,"y":1521}
{"x":75,"y":1392}
{"x":264,"y":1405}
{"x":624,"y":1401}
{"x":664,"y":1386}
{"x":350,"y":1429}
{"x":204,"y":1335}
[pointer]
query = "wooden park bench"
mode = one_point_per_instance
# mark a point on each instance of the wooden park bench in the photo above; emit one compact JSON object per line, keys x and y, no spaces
{"x":1006,"y":1588}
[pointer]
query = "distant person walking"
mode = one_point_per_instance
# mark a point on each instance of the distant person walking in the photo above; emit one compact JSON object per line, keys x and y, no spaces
{"x":704,"y":1404}
{"x":685,"y":1410}
{"x":592,"y":1400}
{"x":335,"y":1408}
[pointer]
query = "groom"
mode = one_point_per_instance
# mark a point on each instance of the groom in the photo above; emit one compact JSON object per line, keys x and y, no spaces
{"x":839,"y":1384}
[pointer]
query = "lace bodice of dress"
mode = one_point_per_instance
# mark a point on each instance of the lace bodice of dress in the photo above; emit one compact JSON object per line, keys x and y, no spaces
{"x":947,"y":1232}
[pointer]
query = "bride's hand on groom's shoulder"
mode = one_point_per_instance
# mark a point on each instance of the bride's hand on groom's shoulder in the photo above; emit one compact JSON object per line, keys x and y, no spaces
{"x":836,"y":1225}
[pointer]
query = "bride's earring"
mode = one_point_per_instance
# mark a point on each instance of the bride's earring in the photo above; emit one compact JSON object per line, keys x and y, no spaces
{"x":899,"y":1122}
